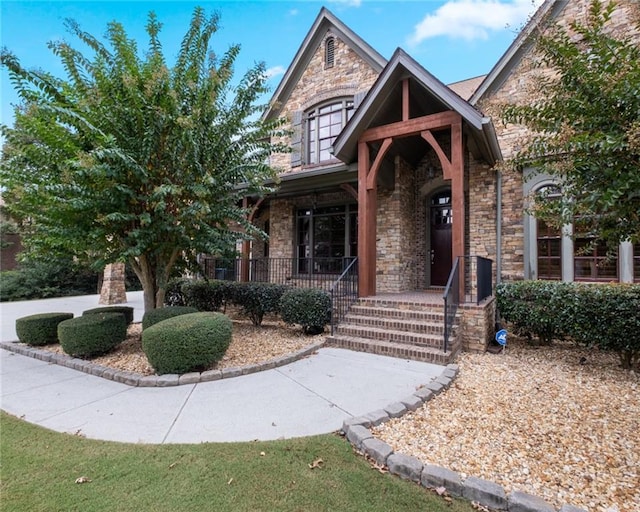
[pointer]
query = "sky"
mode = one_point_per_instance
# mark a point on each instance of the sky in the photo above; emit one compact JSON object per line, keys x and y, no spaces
{"x":452,"y":39}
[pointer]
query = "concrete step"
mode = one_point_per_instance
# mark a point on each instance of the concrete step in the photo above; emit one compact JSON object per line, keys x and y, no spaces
{"x":396,"y":324}
{"x":381,"y":334}
{"x":392,"y":349}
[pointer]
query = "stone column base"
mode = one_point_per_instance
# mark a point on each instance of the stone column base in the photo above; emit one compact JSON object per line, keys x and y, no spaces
{"x":113,"y":289}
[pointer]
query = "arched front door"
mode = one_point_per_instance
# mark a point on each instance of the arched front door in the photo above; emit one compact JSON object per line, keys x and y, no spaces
{"x":441,"y":220}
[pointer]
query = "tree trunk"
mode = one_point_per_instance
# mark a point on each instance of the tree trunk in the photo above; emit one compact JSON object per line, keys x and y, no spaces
{"x":154,"y":278}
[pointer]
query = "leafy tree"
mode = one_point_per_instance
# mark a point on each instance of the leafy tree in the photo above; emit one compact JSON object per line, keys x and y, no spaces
{"x":128,"y":159}
{"x":584,"y":123}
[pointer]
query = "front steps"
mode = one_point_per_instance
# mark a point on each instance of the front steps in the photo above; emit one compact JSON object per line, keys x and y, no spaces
{"x":404,"y":326}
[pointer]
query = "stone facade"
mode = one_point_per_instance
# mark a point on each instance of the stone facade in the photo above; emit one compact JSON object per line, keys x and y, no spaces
{"x":349,"y":74}
{"x":477,"y":325}
{"x":517,"y":88}
{"x":396,"y":233}
{"x":113,"y":287}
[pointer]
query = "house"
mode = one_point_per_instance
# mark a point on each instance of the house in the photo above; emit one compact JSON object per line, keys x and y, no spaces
{"x":394,"y":167}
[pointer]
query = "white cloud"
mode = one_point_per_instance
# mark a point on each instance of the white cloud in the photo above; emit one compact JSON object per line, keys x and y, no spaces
{"x":274,"y":71}
{"x":472,"y":19}
{"x":347,"y":3}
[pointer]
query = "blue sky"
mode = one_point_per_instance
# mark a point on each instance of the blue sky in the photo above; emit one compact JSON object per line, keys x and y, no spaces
{"x":453,"y":39}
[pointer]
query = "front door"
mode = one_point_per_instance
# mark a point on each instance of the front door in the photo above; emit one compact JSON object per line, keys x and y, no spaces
{"x":440,"y":214}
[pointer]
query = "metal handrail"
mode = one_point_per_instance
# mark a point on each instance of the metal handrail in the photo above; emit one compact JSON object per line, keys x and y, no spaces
{"x":451,"y":298}
{"x":344,"y":292}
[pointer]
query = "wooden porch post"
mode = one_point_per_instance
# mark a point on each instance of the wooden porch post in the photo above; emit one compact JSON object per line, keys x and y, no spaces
{"x":366,"y":226}
{"x":457,"y":192}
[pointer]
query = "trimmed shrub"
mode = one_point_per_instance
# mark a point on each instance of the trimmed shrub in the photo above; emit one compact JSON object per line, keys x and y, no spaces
{"x":308,"y":307}
{"x":602,"y":315}
{"x":257,"y":299}
{"x":92,"y":335}
{"x":532,"y":308}
{"x":205,"y":295}
{"x":158,"y":315}
{"x":126,"y":311}
{"x":187,"y":343}
{"x":40,"y":329}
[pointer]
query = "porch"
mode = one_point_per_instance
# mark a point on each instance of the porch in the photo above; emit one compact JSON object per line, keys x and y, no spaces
{"x":432,"y":324}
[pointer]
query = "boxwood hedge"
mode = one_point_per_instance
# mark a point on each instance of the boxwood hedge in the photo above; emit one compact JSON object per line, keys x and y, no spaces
{"x":308,"y":307}
{"x":594,"y":314}
{"x":127,"y":311}
{"x":92,"y":335}
{"x":186,"y":343}
{"x":154,"y":316}
{"x":40,"y":329}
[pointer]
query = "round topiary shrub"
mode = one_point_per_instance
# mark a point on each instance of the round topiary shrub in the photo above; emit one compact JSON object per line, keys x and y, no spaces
{"x":308,"y":307}
{"x":187,"y":343}
{"x":40,"y":329}
{"x":127,"y":311}
{"x":92,"y":335}
{"x":158,"y":315}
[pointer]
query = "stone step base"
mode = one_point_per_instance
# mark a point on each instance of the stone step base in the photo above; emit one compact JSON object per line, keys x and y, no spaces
{"x":392,"y":349}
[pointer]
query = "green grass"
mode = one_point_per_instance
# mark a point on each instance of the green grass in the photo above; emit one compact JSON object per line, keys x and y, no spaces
{"x":39,"y":469}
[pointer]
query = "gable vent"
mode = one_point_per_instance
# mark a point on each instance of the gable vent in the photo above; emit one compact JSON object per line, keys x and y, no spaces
{"x":329,"y":52}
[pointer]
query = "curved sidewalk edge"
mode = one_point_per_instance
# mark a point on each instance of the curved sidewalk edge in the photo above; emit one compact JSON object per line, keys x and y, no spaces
{"x":138,"y":380}
{"x":483,"y":492}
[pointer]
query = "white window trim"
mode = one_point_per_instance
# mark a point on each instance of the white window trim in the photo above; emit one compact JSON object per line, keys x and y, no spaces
{"x":535,"y":183}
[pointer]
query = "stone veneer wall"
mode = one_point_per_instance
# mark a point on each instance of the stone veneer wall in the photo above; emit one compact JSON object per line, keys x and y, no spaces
{"x":349,"y":75}
{"x":517,"y":89}
{"x":477,"y":325}
{"x":396,"y":263}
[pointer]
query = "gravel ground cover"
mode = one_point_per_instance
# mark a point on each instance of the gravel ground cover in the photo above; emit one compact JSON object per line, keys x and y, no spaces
{"x":249,"y":345}
{"x":560,"y":422}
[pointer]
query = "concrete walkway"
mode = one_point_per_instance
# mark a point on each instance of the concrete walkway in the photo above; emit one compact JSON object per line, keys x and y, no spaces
{"x":310,"y":396}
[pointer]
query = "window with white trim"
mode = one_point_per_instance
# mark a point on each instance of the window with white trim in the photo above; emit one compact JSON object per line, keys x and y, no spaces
{"x":323,"y":124}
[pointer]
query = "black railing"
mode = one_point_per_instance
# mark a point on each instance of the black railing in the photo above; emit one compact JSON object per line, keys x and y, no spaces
{"x":451,"y":298}
{"x":300,"y":272}
{"x":478,"y":285}
{"x":344,"y":292}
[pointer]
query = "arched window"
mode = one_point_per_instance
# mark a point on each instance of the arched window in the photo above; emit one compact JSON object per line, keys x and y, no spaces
{"x":323,"y":124}
{"x":329,"y":52}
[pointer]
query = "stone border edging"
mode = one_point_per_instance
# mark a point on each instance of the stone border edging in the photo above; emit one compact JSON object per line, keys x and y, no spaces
{"x":484,"y":492}
{"x":136,"y":380}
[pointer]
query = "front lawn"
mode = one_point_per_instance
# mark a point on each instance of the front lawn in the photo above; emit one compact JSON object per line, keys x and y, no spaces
{"x":40,"y":468}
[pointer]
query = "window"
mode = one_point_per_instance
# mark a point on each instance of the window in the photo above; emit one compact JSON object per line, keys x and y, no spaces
{"x":324,"y":123}
{"x":591,"y":261}
{"x":327,"y":238}
{"x":329,"y":52}
{"x":636,"y":262}
{"x":549,"y":240}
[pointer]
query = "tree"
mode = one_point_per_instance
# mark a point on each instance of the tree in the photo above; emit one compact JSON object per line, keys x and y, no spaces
{"x":127,"y":159}
{"x":584,"y":124}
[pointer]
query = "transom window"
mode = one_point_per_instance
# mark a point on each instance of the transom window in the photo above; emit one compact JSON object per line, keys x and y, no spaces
{"x":324,"y":124}
{"x":327,"y":238}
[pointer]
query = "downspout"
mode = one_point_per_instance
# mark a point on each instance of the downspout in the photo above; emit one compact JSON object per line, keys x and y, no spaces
{"x":499,"y":227}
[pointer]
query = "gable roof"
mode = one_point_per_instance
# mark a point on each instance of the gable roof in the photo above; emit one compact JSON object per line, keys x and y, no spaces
{"x":520,"y":46}
{"x":325,"y":21}
{"x":440,"y":97}
{"x":466,"y":88}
